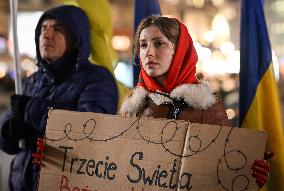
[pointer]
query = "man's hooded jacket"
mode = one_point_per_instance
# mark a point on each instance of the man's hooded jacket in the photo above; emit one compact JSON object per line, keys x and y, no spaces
{"x":71,"y":83}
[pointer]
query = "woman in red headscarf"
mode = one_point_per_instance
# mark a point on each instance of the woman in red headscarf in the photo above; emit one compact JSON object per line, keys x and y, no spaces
{"x":168,"y":87}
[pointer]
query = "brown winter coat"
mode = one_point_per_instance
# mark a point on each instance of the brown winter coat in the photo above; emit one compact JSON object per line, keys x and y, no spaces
{"x":191,"y":102}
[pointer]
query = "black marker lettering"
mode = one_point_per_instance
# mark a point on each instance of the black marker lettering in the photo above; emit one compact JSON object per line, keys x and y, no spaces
{"x":111,"y":166}
{"x":163,"y":174}
{"x":140,"y":157}
{"x":97,"y":169}
{"x":72,"y":162}
{"x":90,"y":164}
{"x":186,"y":186}
{"x":83,"y":161}
{"x":65,"y":154}
{"x":173,"y":171}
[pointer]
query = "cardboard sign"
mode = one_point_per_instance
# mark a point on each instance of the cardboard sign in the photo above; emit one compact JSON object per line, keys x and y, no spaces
{"x":97,"y":152}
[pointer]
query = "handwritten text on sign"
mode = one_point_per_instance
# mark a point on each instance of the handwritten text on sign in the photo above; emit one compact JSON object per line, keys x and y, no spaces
{"x":96,"y":152}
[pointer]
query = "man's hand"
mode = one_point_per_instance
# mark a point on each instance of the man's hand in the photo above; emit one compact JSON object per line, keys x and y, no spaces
{"x":19,"y":129}
{"x":18,"y":104}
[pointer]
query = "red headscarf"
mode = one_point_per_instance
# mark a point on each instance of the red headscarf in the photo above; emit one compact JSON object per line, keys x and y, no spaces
{"x":182,"y":69}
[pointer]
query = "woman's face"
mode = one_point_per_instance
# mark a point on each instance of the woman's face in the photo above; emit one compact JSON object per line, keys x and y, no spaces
{"x":156,"y":52}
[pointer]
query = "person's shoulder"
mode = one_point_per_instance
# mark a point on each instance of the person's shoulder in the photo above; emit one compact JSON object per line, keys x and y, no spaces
{"x":95,"y":67}
{"x":96,"y":71}
{"x":32,"y":77}
{"x":133,"y":101}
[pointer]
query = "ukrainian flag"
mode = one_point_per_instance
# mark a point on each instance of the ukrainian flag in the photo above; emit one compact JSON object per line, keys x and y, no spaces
{"x":259,"y":98}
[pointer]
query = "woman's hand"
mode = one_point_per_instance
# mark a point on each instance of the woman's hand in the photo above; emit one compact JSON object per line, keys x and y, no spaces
{"x":260,"y":169}
{"x":37,"y":156}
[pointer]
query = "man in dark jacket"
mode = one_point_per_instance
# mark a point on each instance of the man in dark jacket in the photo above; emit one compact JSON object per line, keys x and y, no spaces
{"x":65,"y":80}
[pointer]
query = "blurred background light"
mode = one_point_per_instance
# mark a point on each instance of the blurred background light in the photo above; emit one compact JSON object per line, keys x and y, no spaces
{"x":227,"y":48}
{"x":216,"y":65}
{"x":3,"y":45}
{"x":230,"y":113}
{"x":210,"y":36}
{"x":198,"y":3}
{"x":217,"y":3}
{"x":228,"y":84}
{"x":29,"y":66}
{"x":204,"y":54}
{"x":123,"y":73}
{"x":276,"y":66}
{"x":221,"y":28}
{"x":233,"y":63}
{"x":3,"y":69}
{"x":278,"y":6}
{"x":229,"y":13}
{"x":26,"y":33}
{"x":172,"y":2}
{"x":120,"y":43}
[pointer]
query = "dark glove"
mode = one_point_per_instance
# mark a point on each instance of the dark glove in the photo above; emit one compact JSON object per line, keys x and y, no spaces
{"x":38,"y":156}
{"x":18,"y":104}
{"x":260,"y":169}
{"x":19,"y":129}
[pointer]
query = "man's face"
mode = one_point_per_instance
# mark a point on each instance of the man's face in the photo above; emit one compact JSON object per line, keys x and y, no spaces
{"x":52,"y":42}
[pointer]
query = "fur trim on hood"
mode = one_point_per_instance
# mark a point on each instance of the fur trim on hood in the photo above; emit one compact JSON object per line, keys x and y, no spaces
{"x":195,"y":95}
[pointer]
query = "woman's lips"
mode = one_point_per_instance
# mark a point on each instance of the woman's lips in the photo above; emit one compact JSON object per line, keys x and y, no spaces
{"x":151,"y":64}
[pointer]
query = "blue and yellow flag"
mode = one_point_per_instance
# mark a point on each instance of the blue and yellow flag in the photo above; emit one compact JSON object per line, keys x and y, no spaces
{"x":143,"y":9}
{"x":259,"y":98}
{"x":102,"y":53}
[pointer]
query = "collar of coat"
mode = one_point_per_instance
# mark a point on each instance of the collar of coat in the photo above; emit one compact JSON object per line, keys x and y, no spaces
{"x":195,"y":95}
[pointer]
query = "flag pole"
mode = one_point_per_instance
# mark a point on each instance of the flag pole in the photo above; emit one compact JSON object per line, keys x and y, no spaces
{"x":17,"y":67}
{"x":16,"y":56}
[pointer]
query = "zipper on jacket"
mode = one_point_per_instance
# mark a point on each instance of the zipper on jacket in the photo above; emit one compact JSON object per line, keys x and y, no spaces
{"x":175,"y":108}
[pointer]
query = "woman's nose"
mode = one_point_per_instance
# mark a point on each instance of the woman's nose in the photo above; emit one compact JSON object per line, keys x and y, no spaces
{"x":150,"y":50}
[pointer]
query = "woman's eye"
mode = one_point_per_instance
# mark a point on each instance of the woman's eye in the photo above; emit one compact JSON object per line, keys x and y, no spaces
{"x":143,"y":45}
{"x":159,"y":44}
